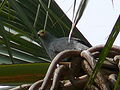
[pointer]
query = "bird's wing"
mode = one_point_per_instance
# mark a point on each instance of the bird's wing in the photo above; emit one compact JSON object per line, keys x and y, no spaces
{"x":62,"y":44}
{"x":82,"y":42}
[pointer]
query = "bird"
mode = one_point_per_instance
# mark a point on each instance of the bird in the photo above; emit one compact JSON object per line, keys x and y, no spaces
{"x":54,"y":45}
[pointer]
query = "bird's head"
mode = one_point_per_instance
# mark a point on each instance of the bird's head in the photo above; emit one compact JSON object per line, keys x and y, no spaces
{"x":42,"y":33}
{"x":46,"y":36}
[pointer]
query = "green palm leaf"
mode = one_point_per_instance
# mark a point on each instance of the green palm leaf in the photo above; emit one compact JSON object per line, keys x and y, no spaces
{"x":24,"y":21}
{"x":18,"y":74}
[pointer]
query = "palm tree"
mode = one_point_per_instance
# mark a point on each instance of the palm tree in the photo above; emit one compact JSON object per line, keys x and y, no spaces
{"x":23,"y":59}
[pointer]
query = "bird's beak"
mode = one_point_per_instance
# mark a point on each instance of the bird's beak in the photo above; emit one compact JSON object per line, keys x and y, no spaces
{"x":38,"y":33}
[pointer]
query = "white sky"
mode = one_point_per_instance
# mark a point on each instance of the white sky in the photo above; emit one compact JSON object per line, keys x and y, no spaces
{"x":98,"y":19}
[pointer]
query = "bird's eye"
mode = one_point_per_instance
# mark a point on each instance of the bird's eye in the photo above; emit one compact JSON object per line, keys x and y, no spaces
{"x":42,"y":33}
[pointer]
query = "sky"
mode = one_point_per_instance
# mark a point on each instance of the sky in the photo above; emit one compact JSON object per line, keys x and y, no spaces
{"x":98,"y":19}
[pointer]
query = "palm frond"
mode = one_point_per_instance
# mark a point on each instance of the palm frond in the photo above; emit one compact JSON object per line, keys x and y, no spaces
{"x":78,"y":15}
{"x":6,"y":41}
{"x":24,"y":18}
{"x":17,"y":74}
{"x":74,"y":9}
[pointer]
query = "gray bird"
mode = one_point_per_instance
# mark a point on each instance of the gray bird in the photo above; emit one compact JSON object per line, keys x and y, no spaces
{"x":54,"y":45}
